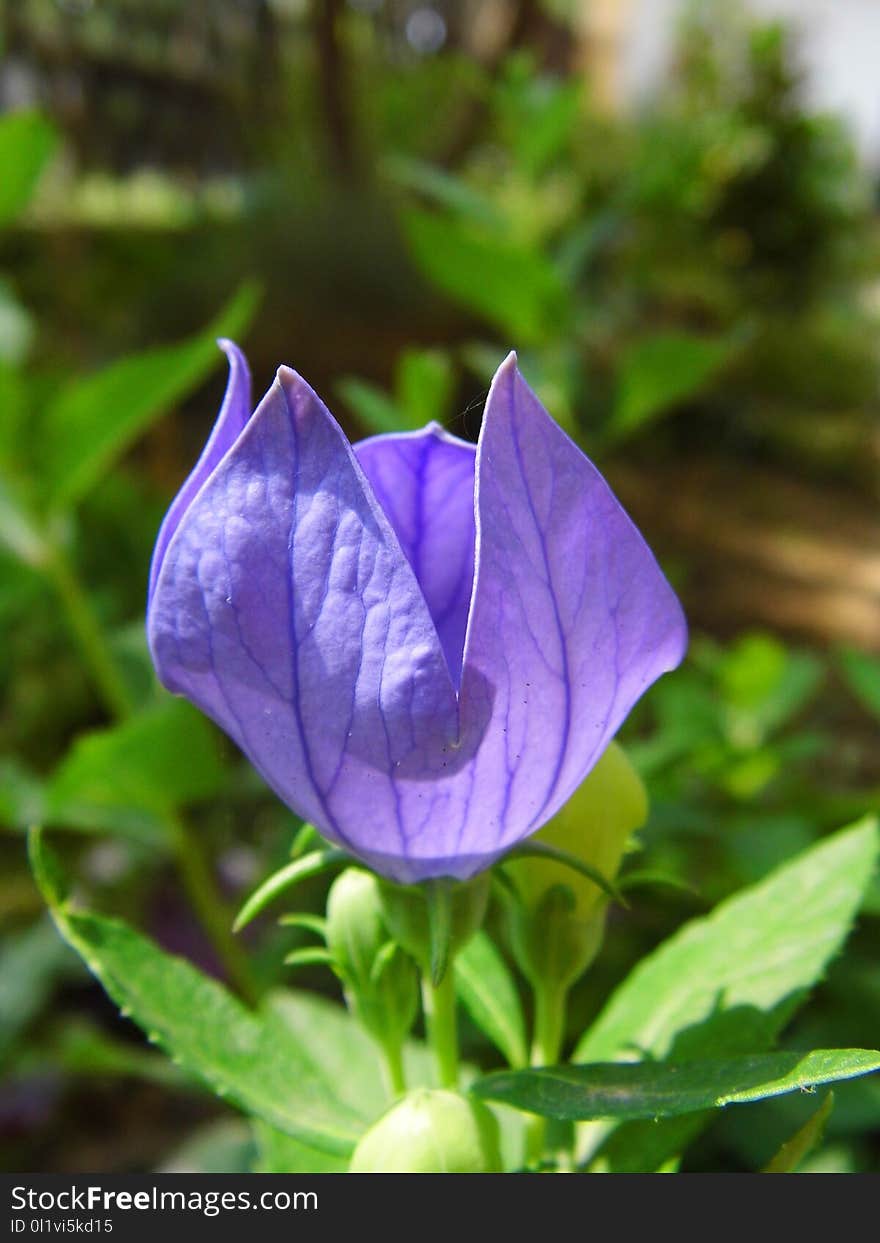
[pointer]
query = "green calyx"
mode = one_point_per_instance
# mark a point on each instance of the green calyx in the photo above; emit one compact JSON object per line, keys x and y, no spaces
{"x":435,"y":920}
{"x":431,"y":1131}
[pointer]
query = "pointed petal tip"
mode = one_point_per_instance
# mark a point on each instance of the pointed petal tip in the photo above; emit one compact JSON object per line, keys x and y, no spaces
{"x":231,"y":349}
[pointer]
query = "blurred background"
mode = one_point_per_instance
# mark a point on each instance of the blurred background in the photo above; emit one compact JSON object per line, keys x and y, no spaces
{"x":669,"y":209}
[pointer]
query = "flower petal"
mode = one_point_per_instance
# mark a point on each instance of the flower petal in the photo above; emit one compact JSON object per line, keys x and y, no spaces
{"x":286,"y":610}
{"x":234,"y":414}
{"x":571,"y":619}
{"x":425,"y":483}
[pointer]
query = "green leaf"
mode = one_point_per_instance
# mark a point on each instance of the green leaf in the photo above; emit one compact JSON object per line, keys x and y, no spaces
{"x":309,"y":956}
{"x":18,"y":532}
{"x":371,"y":405}
{"x":443,"y":188}
{"x":802,"y":1143}
{"x":253,"y":1060}
{"x":423,"y":385}
{"x":511,"y":286}
{"x":93,"y":421}
{"x":285,"y":878}
{"x":28,"y":141}
{"x":488,"y":992}
{"x":634,"y":1090}
{"x":659,"y":372}
{"x":726,"y":984}
{"x":738,"y":973}
{"x":132,"y":775}
{"x":278,"y":1153}
{"x":343,"y":1052}
{"x":862,"y":674}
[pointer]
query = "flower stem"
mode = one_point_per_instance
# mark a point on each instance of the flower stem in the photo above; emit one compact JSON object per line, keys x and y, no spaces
{"x":550,"y":1007}
{"x":439,"y":1005}
{"x":97,"y":656}
{"x":392,"y":1065}
{"x":210,"y":908}
{"x":89,"y":636}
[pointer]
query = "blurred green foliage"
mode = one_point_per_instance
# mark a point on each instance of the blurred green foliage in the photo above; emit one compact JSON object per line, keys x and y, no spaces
{"x":694,"y":276}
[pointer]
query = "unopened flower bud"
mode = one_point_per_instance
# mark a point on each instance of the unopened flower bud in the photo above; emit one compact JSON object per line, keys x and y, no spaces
{"x":431,"y":1132}
{"x":380,"y":981}
{"x":594,"y":826}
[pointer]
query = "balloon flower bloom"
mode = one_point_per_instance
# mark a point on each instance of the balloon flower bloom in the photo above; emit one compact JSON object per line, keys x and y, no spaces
{"x":423,"y":645}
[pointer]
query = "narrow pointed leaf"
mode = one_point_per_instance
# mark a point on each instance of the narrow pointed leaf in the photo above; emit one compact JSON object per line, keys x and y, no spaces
{"x":285,"y":878}
{"x":543,"y":850}
{"x":649,"y":1090}
{"x":309,"y":956}
{"x":311,"y":923}
{"x":802,"y":1143}
{"x":487,"y":990}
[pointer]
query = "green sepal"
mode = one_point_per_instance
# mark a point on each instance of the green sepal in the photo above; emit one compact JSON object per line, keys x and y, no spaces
{"x":282,"y":880}
{"x":432,"y":925}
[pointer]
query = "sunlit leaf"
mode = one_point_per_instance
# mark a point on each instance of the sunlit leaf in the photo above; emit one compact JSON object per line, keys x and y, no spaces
{"x":726,"y":984}
{"x":253,"y":1060}
{"x":652,"y":1090}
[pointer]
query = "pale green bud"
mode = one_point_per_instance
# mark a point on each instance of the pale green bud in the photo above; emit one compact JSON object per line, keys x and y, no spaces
{"x":595,"y":825}
{"x":558,"y":930}
{"x":431,"y":1132}
{"x":381,"y":982}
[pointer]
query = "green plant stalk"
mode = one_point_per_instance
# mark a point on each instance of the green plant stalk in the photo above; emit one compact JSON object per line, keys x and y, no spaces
{"x":89,"y":636}
{"x":392,"y":1068}
{"x":438,"y":1001}
{"x":213,"y":914}
{"x":550,"y":1008}
{"x":110,"y":684}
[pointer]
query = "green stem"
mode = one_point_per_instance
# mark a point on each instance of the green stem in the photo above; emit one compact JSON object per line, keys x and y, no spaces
{"x":110,"y":684}
{"x":392,"y":1065}
{"x":213,"y":914}
{"x":90,"y":638}
{"x":550,"y":1008}
{"x":439,"y":1005}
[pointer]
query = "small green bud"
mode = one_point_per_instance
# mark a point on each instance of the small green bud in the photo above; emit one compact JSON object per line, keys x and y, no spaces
{"x":406,"y":913}
{"x":381,"y":982}
{"x":431,"y":1132}
{"x":558,"y":930}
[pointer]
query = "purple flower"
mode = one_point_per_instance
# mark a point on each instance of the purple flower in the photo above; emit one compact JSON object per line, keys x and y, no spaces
{"x":422,"y":645}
